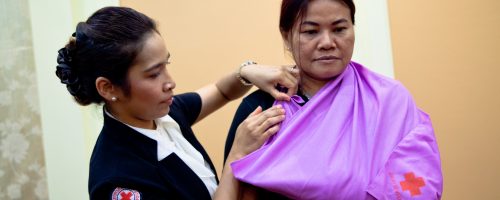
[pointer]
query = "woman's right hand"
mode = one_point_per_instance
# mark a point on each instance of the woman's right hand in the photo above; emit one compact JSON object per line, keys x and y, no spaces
{"x":268,"y":78}
{"x":255,"y":130}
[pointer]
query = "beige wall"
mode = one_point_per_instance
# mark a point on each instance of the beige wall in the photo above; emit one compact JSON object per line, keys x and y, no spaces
{"x":447,"y":53}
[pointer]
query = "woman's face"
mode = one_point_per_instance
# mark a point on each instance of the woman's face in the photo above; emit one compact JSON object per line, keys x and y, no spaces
{"x":322,"y":42}
{"x":151,"y":86}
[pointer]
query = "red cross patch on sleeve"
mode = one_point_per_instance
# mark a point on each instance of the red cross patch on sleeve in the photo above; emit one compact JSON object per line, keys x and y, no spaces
{"x":125,"y":194}
{"x":412,"y":184}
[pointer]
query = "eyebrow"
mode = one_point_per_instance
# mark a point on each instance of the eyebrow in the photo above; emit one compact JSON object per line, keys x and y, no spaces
{"x":316,"y":24}
{"x":157,"y":65}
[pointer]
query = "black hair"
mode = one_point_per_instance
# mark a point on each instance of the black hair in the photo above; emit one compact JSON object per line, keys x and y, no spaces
{"x":105,"y":45}
{"x":293,"y":10}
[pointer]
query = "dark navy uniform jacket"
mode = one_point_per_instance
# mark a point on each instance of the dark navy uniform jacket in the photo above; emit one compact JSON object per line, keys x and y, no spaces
{"x":125,"y":158}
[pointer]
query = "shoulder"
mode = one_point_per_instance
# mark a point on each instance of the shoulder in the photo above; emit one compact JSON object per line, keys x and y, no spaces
{"x":392,"y":98}
{"x":111,"y":179}
{"x":120,"y":156}
{"x":107,"y":163}
{"x":186,"y":107}
{"x":381,"y":84}
{"x":186,"y":99}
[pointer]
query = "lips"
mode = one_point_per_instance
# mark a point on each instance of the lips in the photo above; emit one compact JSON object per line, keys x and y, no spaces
{"x":168,"y":100}
{"x":327,"y":58}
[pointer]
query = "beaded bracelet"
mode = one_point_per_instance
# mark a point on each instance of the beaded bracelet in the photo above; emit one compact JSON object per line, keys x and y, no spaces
{"x":238,"y":75}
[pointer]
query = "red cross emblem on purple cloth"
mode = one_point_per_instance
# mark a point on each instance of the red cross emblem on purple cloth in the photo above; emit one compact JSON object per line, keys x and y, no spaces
{"x":412,"y":184}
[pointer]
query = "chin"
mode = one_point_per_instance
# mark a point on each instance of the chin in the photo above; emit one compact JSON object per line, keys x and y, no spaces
{"x":330,"y":75}
{"x":163,"y":113}
{"x":334,"y":72}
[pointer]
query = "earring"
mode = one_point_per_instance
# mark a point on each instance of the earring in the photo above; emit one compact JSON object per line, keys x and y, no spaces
{"x":113,"y":99}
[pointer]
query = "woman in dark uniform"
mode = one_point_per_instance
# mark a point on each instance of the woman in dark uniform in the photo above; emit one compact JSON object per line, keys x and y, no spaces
{"x":146,"y":148}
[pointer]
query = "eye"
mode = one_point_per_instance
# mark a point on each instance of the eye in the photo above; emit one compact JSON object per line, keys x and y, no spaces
{"x":310,"y":32}
{"x":154,"y":75}
{"x":157,"y":72}
{"x":339,"y":29}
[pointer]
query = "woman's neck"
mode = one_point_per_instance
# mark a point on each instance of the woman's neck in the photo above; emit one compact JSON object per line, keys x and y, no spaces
{"x":309,"y":86}
{"x":130,"y":120}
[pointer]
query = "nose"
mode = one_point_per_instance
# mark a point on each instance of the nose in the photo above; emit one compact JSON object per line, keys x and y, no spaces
{"x":169,"y":83}
{"x":326,"y":41}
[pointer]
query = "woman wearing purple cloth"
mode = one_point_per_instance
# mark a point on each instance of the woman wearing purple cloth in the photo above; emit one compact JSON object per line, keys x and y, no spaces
{"x":349,"y":133}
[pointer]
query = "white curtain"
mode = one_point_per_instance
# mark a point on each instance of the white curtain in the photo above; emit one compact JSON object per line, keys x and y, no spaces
{"x":22,"y":163}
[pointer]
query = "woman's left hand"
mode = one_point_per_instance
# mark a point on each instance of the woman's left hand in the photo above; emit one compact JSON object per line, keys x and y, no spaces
{"x":251,"y":134}
{"x":279,"y":81}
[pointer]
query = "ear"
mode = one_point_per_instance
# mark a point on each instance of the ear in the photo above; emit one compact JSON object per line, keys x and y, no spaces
{"x":105,"y":88}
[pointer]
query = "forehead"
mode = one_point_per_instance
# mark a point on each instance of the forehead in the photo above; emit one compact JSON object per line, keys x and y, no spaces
{"x":325,"y":10}
{"x":152,"y":49}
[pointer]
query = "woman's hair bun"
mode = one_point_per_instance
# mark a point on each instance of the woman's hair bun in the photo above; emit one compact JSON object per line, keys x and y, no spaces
{"x":66,"y":72}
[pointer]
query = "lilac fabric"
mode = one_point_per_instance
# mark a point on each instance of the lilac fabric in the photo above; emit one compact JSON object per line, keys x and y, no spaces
{"x":360,"y":137}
